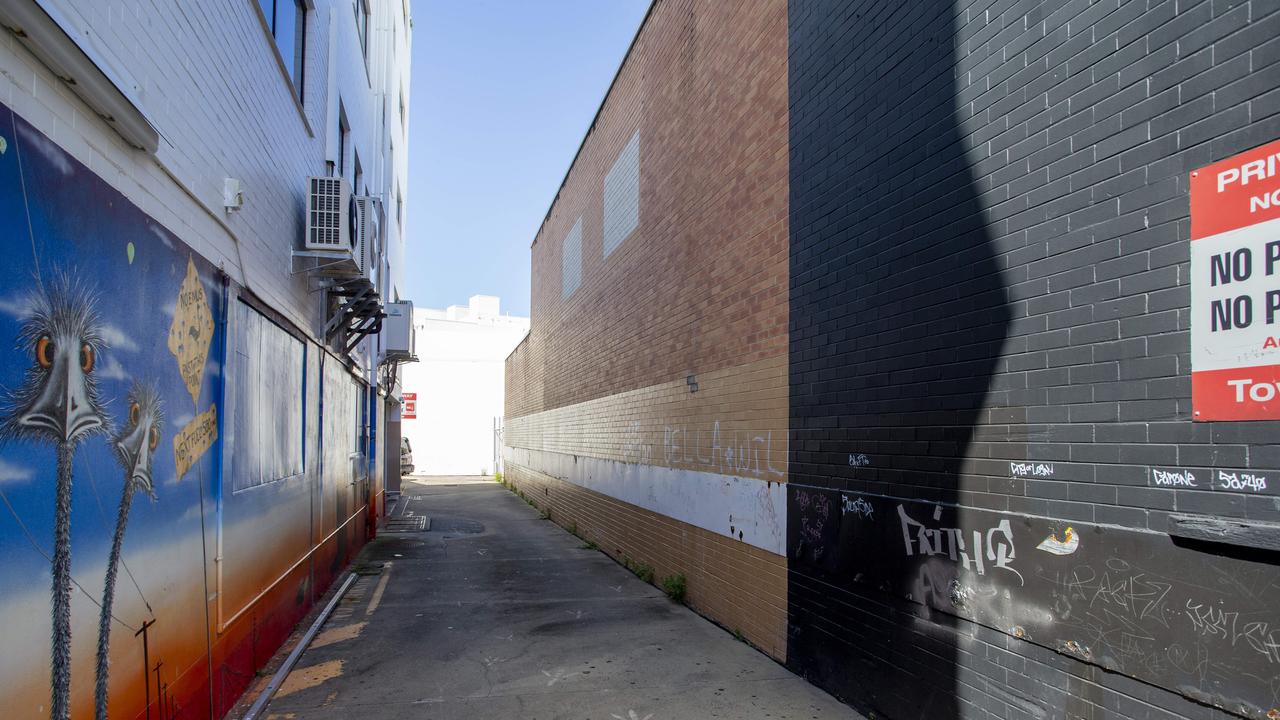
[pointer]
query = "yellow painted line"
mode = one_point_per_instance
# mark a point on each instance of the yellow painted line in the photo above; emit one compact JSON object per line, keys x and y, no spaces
{"x":309,"y":677}
{"x":338,"y":634}
{"x":382,"y":587}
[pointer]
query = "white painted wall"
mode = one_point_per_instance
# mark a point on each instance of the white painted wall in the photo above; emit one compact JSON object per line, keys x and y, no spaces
{"x":459,"y":381}
{"x":207,"y":76}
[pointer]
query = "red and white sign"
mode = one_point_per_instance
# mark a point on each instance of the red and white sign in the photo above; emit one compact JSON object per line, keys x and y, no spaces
{"x":1235,"y":287}
{"x":409,"y":409}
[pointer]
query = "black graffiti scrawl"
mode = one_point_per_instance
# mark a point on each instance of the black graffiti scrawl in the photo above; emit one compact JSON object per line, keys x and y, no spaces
{"x":57,"y":403}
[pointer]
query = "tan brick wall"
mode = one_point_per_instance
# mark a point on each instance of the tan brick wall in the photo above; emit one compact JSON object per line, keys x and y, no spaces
{"x":742,"y":588}
{"x":735,"y":424}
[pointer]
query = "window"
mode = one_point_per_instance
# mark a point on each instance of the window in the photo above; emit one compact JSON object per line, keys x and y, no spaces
{"x":400,"y":211}
{"x":571,"y":261}
{"x":268,"y":397}
{"x":344,"y":134}
{"x":404,"y":127}
{"x":287,"y":22}
{"x":357,"y":180}
{"x":362,"y":26}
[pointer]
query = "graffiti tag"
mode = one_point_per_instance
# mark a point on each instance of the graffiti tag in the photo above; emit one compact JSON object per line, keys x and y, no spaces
{"x":995,"y":546}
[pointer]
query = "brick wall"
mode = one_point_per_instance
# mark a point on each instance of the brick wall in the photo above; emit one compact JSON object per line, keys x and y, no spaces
{"x":700,"y":283}
{"x":986,"y":233}
{"x":989,"y":321}
{"x":667,"y":364}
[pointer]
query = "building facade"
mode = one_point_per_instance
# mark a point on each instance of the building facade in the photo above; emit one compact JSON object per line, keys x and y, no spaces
{"x":457,"y":385}
{"x":875,"y":322}
{"x":190,"y":443}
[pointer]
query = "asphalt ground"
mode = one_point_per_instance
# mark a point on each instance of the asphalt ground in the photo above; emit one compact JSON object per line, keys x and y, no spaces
{"x":489,"y":611}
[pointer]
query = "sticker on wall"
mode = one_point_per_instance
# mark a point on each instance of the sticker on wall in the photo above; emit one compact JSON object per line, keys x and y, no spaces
{"x":1067,"y":545}
{"x":191,"y":331}
{"x":1235,"y":298}
{"x":193,"y":440}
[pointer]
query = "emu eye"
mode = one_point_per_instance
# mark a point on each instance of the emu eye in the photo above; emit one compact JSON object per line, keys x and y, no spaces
{"x":86,"y":358}
{"x":154,"y":438}
{"x":134,"y":412}
{"x":44,"y":351}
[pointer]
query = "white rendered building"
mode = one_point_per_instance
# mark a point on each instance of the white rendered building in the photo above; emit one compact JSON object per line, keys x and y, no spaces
{"x":458,"y":381}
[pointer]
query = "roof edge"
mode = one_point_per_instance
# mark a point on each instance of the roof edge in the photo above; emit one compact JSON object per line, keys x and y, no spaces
{"x":594,"y":119}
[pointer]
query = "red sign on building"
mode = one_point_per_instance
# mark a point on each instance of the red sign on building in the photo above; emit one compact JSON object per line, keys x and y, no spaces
{"x":1235,"y":287}
{"x":409,"y":410}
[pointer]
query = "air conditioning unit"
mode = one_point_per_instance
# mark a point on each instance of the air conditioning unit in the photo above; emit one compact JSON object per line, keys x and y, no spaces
{"x":397,"y":331}
{"x":366,"y":226}
{"x":328,"y":205}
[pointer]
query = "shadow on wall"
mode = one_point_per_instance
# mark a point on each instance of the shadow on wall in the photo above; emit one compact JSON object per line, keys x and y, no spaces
{"x":898,"y":317}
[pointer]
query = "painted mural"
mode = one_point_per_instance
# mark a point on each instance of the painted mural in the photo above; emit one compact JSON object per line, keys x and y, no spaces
{"x":107,"y":323}
{"x":131,"y":584}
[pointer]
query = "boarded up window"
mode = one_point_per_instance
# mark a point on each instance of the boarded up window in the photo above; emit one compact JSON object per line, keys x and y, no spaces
{"x":571,"y":257}
{"x":267,"y":401}
{"x":622,"y":196}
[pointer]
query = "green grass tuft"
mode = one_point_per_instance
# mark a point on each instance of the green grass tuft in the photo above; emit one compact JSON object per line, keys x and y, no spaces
{"x":675,"y":586}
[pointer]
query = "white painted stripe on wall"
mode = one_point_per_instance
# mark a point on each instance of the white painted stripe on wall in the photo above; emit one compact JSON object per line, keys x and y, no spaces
{"x":755,"y":508}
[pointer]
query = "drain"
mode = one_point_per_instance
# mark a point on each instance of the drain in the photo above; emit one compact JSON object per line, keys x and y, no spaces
{"x":409,"y":524}
{"x":456,"y":526}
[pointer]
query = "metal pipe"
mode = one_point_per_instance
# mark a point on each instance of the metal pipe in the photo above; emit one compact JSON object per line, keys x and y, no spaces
{"x":267,"y":693}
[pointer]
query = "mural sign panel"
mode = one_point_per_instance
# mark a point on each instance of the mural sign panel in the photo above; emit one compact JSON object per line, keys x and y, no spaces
{"x":410,"y":410}
{"x":1235,"y":287}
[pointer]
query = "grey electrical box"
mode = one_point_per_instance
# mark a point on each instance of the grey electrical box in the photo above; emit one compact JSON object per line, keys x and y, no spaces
{"x":397,"y":331}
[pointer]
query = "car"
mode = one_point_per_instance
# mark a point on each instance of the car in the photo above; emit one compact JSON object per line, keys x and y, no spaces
{"x":406,"y":456}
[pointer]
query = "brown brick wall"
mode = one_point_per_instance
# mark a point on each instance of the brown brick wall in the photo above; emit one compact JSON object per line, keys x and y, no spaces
{"x":702,"y":283}
{"x":740,"y":587}
{"x":699,"y":288}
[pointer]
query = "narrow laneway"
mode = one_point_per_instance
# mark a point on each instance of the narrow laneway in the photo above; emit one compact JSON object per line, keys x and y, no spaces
{"x":493,"y":612}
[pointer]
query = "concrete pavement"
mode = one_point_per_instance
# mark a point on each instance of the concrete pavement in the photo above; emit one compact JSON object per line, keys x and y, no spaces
{"x":493,"y":612}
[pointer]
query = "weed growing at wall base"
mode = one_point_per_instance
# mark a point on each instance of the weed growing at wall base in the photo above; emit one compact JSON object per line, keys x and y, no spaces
{"x":674,"y":586}
{"x":639,"y":569}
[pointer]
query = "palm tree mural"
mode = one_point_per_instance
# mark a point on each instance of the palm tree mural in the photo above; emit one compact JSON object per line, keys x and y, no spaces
{"x":57,"y":402}
{"x":134,"y":444}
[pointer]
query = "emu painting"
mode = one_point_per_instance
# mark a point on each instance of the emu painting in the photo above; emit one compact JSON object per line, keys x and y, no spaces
{"x":134,"y":444}
{"x":57,"y":402}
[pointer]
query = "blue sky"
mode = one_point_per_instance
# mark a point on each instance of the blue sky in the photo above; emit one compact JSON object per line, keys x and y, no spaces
{"x":503,"y":92}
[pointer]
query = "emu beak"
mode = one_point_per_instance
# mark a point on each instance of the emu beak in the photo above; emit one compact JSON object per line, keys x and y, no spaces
{"x":133,"y":448}
{"x":63,"y":406}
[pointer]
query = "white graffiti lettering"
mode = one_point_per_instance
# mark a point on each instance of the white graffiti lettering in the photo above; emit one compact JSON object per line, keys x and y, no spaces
{"x":1018,"y":469}
{"x":857,"y":506}
{"x":995,"y":546}
{"x":1241,"y":481}
{"x":1173,"y":478}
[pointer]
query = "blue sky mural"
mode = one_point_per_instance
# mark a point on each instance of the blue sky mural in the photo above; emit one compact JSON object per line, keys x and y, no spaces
{"x":69,"y":233}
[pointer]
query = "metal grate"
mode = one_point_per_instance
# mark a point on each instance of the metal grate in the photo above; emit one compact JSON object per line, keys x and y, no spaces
{"x":406,"y":524}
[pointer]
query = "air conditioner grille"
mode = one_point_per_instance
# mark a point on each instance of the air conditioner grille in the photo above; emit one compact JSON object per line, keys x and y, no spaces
{"x":325,"y":226}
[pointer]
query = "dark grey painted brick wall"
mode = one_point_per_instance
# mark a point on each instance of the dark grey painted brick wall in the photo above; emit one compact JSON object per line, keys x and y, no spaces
{"x":990,"y":243}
